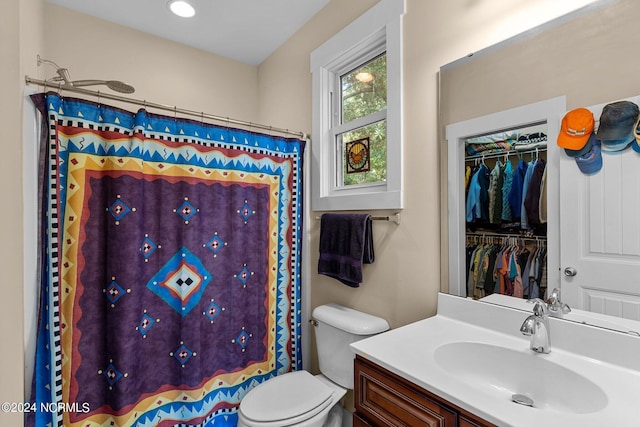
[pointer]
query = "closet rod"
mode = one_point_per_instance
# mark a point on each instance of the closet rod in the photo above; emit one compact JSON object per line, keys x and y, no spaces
{"x":173,"y":109}
{"x":506,"y":236}
{"x":504,"y":153}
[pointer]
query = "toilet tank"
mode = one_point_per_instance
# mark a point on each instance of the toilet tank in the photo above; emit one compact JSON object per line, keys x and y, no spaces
{"x":336,"y":328}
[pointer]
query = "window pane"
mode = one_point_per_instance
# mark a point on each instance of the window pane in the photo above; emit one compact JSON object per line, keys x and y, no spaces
{"x":364,"y":154}
{"x":364,"y":90}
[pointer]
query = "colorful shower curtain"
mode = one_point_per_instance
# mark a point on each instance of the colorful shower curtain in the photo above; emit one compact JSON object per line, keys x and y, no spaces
{"x":170,"y":268}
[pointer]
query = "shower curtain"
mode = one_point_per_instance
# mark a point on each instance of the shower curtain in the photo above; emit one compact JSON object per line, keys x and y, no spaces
{"x":170,"y":267}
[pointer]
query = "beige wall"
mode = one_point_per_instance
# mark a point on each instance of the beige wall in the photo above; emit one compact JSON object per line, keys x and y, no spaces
{"x":162,"y":71}
{"x":18,"y":41}
{"x":10,"y":254}
{"x":550,"y":64}
{"x":402,"y":284}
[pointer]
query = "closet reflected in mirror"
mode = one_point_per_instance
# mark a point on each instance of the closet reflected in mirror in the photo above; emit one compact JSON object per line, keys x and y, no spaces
{"x":585,"y":59}
{"x":503,"y":212}
{"x":506,"y":213}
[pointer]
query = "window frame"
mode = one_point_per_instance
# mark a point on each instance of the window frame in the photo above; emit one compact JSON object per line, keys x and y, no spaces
{"x":377,"y":31}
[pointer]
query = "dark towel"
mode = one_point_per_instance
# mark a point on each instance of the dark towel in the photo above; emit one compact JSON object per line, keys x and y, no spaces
{"x":346,"y":242}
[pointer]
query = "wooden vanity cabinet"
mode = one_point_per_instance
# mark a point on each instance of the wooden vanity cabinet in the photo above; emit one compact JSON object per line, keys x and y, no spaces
{"x":383,"y":398}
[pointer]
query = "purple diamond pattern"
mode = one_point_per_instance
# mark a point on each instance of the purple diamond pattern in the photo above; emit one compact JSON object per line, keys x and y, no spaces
{"x":112,"y":374}
{"x":114,"y":292}
{"x":246,"y":212}
{"x":186,"y":210}
{"x":145,"y":324}
{"x":213,"y":311}
{"x":119,"y":209}
{"x":215,"y":244}
{"x":148,"y":247}
{"x":183,"y":354}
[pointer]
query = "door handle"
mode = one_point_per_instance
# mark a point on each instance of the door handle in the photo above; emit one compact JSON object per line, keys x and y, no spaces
{"x":570,"y":272}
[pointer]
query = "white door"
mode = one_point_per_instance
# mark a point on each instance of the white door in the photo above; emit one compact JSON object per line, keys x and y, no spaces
{"x":600,"y":234}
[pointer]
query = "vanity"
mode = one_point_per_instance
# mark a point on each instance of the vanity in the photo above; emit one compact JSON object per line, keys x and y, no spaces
{"x":384,"y":398}
{"x":471,"y":366}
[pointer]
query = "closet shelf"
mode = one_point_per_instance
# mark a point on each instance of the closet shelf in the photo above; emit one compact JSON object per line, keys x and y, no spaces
{"x":503,"y":153}
{"x":498,"y":235}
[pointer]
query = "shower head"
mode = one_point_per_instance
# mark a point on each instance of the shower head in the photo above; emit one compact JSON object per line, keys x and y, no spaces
{"x":116,"y":85}
{"x":63,"y":77}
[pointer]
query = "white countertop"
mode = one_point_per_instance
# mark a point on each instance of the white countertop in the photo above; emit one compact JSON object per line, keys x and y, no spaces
{"x":409,"y":352}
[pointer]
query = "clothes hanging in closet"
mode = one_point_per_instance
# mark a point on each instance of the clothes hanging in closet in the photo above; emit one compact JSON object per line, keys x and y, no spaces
{"x":504,"y":196}
{"x":505,"y":269}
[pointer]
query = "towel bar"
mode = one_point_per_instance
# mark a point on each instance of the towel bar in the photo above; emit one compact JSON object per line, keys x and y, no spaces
{"x":394,"y":218}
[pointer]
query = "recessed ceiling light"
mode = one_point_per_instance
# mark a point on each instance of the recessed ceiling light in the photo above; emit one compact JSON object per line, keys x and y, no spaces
{"x":181,"y":8}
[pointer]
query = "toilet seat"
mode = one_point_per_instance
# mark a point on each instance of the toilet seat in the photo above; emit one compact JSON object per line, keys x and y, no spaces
{"x":286,"y":400}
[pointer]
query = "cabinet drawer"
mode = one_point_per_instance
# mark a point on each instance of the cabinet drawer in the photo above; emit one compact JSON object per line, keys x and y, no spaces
{"x":358,"y":421}
{"x":385,"y":399}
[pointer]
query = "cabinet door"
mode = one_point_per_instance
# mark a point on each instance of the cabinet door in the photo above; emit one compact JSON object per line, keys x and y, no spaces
{"x":385,"y":399}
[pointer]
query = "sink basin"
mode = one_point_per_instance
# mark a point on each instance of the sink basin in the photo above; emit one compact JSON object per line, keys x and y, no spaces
{"x":494,"y":369}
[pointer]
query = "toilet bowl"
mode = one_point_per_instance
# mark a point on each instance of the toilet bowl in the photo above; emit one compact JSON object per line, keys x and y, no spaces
{"x":293,"y":399}
{"x":304,"y":400}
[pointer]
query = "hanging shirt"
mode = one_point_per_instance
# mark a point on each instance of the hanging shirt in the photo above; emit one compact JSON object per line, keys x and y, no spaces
{"x":505,"y":281}
{"x":477,"y":199}
{"x":524,"y":223}
{"x":473,"y":271}
{"x":496,"y":180}
{"x":542,"y":203}
{"x":490,"y":279}
{"x":516,"y":278}
{"x":515,"y":193}
{"x":506,"y":188}
{"x":534,"y":190}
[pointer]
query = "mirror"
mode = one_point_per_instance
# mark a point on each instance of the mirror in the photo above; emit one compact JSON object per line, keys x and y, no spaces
{"x":587,"y":58}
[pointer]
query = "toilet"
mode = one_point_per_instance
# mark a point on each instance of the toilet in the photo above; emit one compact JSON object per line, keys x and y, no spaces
{"x":304,"y":400}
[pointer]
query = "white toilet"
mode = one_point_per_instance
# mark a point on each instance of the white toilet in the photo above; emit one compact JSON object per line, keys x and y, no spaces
{"x":301,"y":399}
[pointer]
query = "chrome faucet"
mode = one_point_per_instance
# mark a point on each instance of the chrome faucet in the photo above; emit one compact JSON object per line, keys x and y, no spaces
{"x":537,"y":327}
{"x":556,"y":307}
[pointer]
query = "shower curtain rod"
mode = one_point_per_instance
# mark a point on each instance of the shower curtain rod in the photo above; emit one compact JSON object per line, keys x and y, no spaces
{"x":175,"y":110}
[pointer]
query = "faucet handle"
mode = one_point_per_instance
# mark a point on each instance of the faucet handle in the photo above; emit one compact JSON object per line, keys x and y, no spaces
{"x":555,"y":304}
{"x":539,"y":307}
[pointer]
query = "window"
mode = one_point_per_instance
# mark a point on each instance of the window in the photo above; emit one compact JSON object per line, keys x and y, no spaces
{"x":361,"y":131}
{"x":357,"y":137}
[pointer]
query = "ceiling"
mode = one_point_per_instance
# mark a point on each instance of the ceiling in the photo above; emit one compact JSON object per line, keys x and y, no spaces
{"x":245,"y":30}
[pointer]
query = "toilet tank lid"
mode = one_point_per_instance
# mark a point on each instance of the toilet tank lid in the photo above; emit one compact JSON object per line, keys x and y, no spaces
{"x":350,"y":320}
